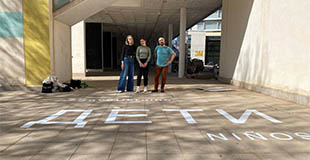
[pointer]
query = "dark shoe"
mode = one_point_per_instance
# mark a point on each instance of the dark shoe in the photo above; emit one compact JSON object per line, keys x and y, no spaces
{"x":155,"y":90}
{"x":162,"y":90}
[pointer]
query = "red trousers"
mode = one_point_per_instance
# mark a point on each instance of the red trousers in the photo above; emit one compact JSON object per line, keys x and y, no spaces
{"x":163,"y":72}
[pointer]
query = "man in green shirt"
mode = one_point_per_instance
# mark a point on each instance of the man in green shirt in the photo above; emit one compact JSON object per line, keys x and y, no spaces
{"x":143,"y":55}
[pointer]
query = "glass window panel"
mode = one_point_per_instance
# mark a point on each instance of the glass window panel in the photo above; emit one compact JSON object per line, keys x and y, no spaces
{"x":220,"y":13}
{"x":213,"y":15}
{"x":211,"y":25}
{"x":200,"y":26}
{"x":60,"y":3}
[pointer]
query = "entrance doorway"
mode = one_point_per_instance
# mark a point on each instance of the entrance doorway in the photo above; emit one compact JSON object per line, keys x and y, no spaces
{"x":93,"y":48}
{"x":213,"y":46}
{"x":101,"y":50}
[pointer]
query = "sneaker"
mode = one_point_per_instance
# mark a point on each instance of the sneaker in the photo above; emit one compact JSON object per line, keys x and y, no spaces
{"x":120,"y":91}
{"x":162,"y":90}
{"x":138,"y":89}
{"x":145,"y":89}
{"x":155,"y":90}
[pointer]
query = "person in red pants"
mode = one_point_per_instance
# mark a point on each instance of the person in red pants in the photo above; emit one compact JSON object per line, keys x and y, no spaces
{"x":164,"y":56}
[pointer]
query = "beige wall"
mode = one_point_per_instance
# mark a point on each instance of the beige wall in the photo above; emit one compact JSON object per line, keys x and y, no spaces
{"x":12,"y":62}
{"x":269,"y":51}
{"x":78,"y":50}
{"x":234,"y":23}
{"x":62,"y":51}
{"x":11,"y":5}
{"x":12,"y":56}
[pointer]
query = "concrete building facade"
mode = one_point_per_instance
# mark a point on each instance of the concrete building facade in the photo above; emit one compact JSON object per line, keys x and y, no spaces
{"x":24,"y":35}
{"x":264,"y":44}
{"x":12,"y":43}
{"x":265,"y":47}
{"x":204,"y":38}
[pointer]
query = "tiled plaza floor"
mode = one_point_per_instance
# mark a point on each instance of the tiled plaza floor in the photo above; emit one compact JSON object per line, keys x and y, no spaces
{"x":232,"y":125}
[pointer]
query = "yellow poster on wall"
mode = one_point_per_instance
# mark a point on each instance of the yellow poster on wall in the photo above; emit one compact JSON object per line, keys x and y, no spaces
{"x":198,"y":53}
{"x":36,"y":41}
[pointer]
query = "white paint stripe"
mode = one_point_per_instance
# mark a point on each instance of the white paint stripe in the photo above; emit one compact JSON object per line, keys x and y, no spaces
{"x":114,"y":113}
{"x":132,"y":115}
{"x":177,"y":110}
{"x":112,"y":116}
{"x":128,"y":122}
{"x":132,"y":110}
{"x":189,"y":119}
{"x":115,"y":100}
{"x":79,"y":121}
{"x":244,"y":117}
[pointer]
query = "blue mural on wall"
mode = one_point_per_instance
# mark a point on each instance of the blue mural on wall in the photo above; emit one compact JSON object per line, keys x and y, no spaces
{"x":11,"y":25}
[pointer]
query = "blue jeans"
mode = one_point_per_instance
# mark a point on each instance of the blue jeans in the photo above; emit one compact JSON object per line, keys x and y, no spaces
{"x":129,"y":65}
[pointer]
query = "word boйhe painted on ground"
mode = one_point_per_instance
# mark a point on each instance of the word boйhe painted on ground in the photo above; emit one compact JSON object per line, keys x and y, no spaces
{"x":80,"y":123}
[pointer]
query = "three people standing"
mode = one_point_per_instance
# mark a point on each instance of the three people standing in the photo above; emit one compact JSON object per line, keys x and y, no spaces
{"x":163,"y":54}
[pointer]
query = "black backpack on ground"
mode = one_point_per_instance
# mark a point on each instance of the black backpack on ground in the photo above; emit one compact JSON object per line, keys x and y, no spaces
{"x":65,"y":89}
{"x":75,"y":84}
{"x":47,"y":88}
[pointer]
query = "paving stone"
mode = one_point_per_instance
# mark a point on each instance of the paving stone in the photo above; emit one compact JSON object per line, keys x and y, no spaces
{"x":53,"y":156}
{"x":126,"y":156}
{"x":165,"y":156}
{"x":14,"y":157}
{"x":168,"y":147}
{"x":202,"y":156}
{"x":90,"y":148}
{"x":169,"y":136}
{"x":90,"y":156}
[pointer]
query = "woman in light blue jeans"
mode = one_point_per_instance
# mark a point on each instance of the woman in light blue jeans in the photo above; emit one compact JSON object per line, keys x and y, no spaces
{"x":127,"y":65}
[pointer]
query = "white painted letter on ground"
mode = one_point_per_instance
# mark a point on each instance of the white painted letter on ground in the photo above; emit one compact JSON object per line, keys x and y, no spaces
{"x":252,"y":135}
{"x":281,"y":136}
{"x":221,"y":136}
{"x":189,"y":119}
{"x":114,"y":113}
{"x":245,"y":116}
{"x":303,"y":135}
{"x":79,"y":121}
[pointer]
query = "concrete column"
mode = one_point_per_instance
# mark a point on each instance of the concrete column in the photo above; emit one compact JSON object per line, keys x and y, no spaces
{"x":170,"y":36}
{"x":78,"y":50}
{"x":164,"y":35}
{"x":62,"y":51}
{"x":182,"y":42}
{"x":51,"y":32}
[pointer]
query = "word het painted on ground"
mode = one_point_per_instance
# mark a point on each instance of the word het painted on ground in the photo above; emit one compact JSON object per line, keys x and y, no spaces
{"x":111,"y":119}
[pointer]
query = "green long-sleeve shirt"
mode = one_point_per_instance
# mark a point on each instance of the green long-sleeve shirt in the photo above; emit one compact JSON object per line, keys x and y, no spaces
{"x":143,"y":52}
